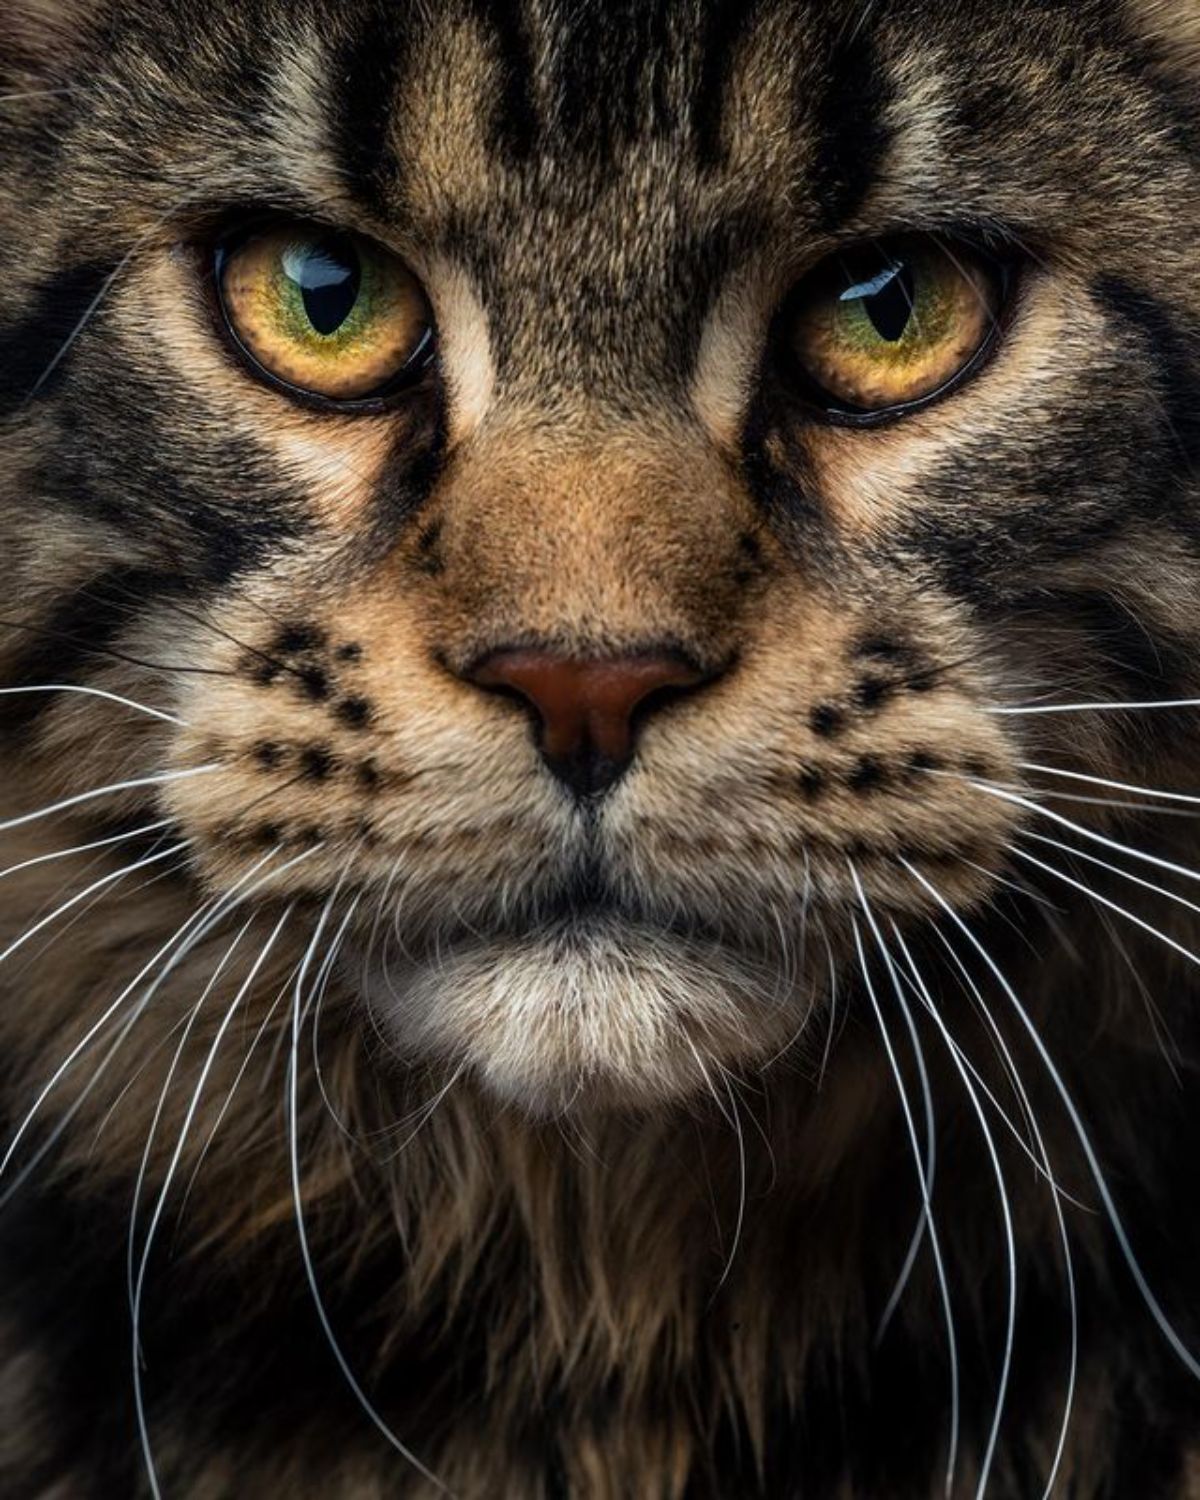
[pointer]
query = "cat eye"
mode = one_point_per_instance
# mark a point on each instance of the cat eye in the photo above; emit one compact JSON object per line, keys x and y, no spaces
{"x":326,"y":315}
{"x":884,"y":328}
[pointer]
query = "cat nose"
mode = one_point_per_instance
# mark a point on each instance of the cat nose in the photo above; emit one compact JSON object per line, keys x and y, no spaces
{"x":588,"y":711}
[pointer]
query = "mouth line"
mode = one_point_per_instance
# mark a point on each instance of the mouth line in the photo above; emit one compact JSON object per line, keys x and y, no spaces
{"x":584,"y":908}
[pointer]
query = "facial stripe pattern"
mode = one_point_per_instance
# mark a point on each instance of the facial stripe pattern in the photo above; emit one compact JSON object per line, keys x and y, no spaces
{"x":604,"y":917}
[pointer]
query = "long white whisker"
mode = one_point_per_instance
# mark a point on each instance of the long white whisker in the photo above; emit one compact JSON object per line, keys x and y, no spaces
{"x":1001,"y":1187}
{"x":1046,"y":1170}
{"x":183,"y":940}
{"x":734,"y":1122}
{"x":423,"y":1114}
{"x":321,"y":987}
{"x":1058,"y":1197}
{"x":93,"y":307}
{"x":91,"y":692}
{"x":272,"y":1009}
{"x":833,"y":1009}
{"x":1088,"y":833}
{"x":309,"y":1268}
{"x":1104,"y":864}
{"x":1103,"y":706}
{"x":1116,"y":786}
{"x":1114,"y":1218}
{"x":740,"y":1221}
{"x":116,"y":838}
{"x":97,"y":885}
{"x":1177,"y":947}
{"x":193,"y":1016}
{"x":148,"y":1245}
{"x":927,"y":1203}
{"x":918,"y":1235}
{"x":160,"y":779}
{"x":1039,"y":1164}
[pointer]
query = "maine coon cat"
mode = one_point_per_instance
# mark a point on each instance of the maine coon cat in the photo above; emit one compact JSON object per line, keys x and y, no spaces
{"x":598,"y":678}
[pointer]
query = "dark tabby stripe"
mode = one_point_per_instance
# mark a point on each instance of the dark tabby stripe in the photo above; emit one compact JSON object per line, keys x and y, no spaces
{"x":29,"y":349}
{"x":367,"y":75}
{"x":514,"y":124}
{"x":852,"y":130}
{"x":726,"y":24}
{"x":601,"y":108}
{"x":1171,"y":345}
{"x":81,"y":628}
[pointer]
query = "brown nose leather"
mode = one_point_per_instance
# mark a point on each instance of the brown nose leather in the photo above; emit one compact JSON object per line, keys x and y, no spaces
{"x":587,"y":709}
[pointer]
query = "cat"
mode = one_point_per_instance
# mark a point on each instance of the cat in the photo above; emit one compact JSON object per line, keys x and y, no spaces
{"x":598,"y":685}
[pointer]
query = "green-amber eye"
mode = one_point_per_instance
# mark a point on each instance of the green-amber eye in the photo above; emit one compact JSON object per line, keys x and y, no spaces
{"x":886,"y":326}
{"x":329,"y":314}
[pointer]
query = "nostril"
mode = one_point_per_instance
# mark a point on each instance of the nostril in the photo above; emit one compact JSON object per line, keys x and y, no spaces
{"x":588,"y":710}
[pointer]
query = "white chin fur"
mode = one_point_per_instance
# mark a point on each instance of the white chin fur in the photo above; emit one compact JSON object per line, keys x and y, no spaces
{"x":602,"y":1014}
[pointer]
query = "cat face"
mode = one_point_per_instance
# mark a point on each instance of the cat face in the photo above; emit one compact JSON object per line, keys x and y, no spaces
{"x":592,"y":492}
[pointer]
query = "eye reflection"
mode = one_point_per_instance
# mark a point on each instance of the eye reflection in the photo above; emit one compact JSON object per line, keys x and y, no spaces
{"x":891,"y":324}
{"x":327,"y":314}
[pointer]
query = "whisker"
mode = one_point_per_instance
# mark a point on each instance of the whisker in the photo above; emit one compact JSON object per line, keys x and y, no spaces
{"x":185,"y":1129}
{"x":1103,"y":705}
{"x":1104,"y":864}
{"x":1001,"y":1187}
{"x":1114,"y":1218}
{"x":106,"y":843}
{"x":322,"y":985}
{"x":302,"y":1233}
{"x":183,"y":940}
{"x":1085,"y":832}
{"x":111,"y":878}
{"x":1172,"y":1052}
{"x":159,"y":779}
{"x":423,"y":1115}
{"x":1058,"y":1196}
{"x":94,"y":305}
{"x":1039,"y":1164}
{"x":918,"y":1236}
{"x":78,"y":643}
{"x":1117,"y":786}
{"x":927,"y":1204}
{"x":1177,"y":947}
{"x":834,"y":1029}
{"x":189,"y":1021}
{"x":739,"y":1223}
{"x":91,"y":692}
{"x":202,"y":1154}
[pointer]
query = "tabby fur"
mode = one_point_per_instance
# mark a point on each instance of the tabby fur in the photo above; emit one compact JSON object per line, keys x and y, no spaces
{"x":605,"y":1177}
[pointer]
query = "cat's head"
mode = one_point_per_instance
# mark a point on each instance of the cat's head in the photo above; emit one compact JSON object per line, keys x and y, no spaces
{"x":589,"y":491}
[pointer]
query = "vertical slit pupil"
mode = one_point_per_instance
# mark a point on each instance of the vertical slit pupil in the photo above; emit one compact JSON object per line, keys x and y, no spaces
{"x":329,"y":275}
{"x":891,"y":307}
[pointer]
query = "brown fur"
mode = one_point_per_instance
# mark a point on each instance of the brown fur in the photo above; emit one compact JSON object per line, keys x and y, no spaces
{"x":622,"y":1177}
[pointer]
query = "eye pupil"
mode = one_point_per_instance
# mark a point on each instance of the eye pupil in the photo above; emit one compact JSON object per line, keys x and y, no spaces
{"x":889,"y":301}
{"x":329,"y":276}
{"x":884,"y":328}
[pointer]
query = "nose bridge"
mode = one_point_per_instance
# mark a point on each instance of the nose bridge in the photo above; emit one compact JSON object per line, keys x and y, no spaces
{"x":598,"y":544}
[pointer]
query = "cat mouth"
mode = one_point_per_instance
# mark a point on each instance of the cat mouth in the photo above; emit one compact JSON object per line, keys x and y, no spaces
{"x":586,"y":998}
{"x":590,"y":900}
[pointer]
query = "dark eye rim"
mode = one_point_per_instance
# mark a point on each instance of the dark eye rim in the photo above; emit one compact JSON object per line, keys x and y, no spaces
{"x":825,"y":408}
{"x":404,"y":383}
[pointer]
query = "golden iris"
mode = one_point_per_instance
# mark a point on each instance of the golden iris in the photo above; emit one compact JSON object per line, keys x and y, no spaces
{"x":329,"y":314}
{"x":886,"y":327}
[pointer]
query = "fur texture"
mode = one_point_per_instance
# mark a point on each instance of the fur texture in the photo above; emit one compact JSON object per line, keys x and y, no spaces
{"x":439,"y":1129}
